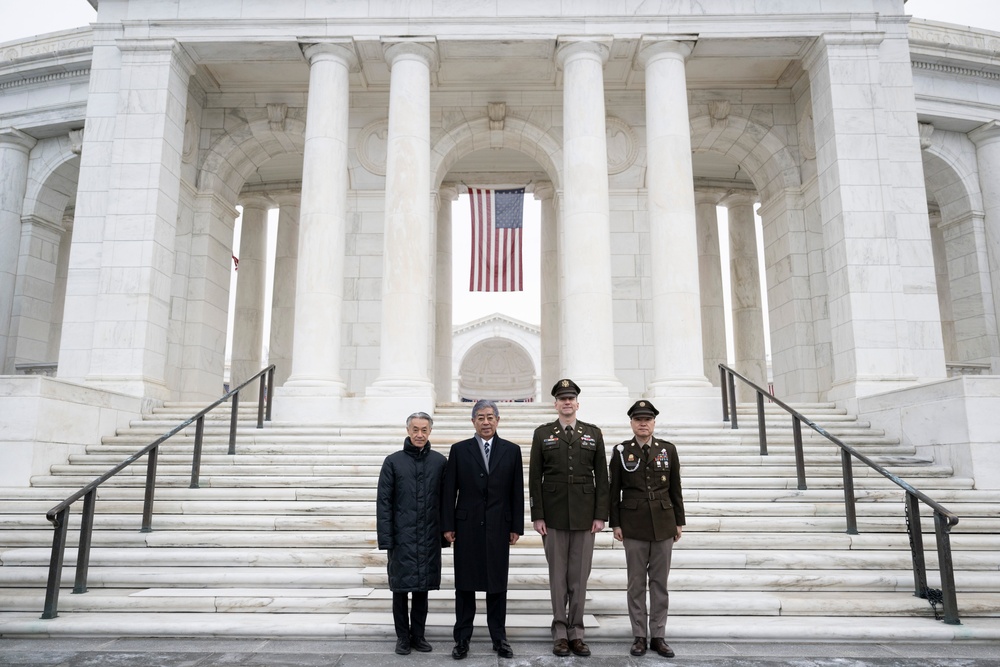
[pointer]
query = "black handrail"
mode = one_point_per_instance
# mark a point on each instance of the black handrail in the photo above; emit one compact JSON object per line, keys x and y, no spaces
{"x":58,"y":516}
{"x":944,"y":519}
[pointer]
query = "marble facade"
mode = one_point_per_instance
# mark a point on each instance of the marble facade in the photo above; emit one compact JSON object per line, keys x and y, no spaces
{"x":127,"y":146}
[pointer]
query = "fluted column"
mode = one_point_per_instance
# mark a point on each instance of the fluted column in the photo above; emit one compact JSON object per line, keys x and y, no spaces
{"x":447,"y":193}
{"x":286,"y":254}
{"x":545,"y":193}
{"x":987,"y":140}
{"x":319,"y":281}
{"x":677,"y":342}
{"x":585,"y":256}
{"x":14,"y":149}
{"x":248,"y":320}
{"x":713,"y":316}
{"x":408,"y":258}
{"x":744,"y":276}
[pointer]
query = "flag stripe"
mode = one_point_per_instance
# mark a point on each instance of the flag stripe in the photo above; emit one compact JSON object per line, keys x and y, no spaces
{"x":497,"y":217}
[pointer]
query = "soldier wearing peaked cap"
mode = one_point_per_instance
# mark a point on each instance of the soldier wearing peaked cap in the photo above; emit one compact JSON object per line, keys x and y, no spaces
{"x":568,"y":486}
{"x":647,"y":515}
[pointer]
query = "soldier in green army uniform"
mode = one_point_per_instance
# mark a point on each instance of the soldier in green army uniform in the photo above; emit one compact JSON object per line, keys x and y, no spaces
{"x":568,"y":487}
{"x":647,"y":515}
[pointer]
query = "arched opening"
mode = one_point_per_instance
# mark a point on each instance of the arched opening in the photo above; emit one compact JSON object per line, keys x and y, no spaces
{"x":497,"y":369}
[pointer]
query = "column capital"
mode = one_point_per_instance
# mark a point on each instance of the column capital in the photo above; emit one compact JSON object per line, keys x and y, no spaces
{"x":709,"y":195}
{"x":286,"y":198}
{"x":653,"y":47}
{"x":255,"y":200}
{"x":448,"y":192}
{"x":10,"y":137}
{"x":423,"y":49}
{"x":339,"y":50}
{"x":734,"y":198}
{"x":597,"y":46}
{"x":987,"y":133}
{"x":544,"y":190}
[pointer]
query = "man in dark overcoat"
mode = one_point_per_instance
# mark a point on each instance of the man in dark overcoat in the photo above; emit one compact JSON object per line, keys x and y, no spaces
{"x":568,"y":485}
{"x":647,"y":515}
{"x":408,"y":525}
{"x":482,"y":515}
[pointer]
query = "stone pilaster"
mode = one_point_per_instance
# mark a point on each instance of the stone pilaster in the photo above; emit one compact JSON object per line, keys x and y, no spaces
{"x":713,"y":316}
{"x":248,"y":319}
{"x":987,"y":140}
{"x":14,"y":149}
{"x":585,"y":258}
{"x":319,"y":282}
{"x":286,"y":254}
{"x":34,"y":291}
{"x":447,"y":193}
{"x":408,"y":263}
{"x":550,"y":271}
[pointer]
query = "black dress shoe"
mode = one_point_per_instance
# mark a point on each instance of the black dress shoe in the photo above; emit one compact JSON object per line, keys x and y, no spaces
{"x":579,"y":648}
{"x":403,"y":646}
{"x":503,"y":649}
{"x":639,"y":646}
{"x":661,"y":647}
{"x":560,"y":647}
{"x":420,"y":644}
{"x":461,"y":650}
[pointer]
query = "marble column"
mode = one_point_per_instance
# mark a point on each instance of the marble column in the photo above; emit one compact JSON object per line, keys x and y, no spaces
{"x":587,"y":318}
{"x":14,"y":149}
{"x":943,"y":281}
{"x":408,"y":257}
{"x":676,"y":296}
{"x":987,"y":140}
{"x":747,"y":304}
{"x":59,"y":296}
{"x":447,"y":193}
{"x":248,"y":320}
{"x":34,"y":291}
{"x":545,"y":193}
{"x":713,"y":316}
{"x":319,"y":281}
{"x":286,"y":254}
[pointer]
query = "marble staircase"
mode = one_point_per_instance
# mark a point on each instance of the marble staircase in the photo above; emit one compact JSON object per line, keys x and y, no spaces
{"x":280,"y":538}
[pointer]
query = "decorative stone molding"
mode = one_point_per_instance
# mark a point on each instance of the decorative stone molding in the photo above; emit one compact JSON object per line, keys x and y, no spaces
{"x":623,"y":147}
{"x":954,"y":70}
{"x":575,"y":46}
{"x":371,"y":148}
{"x":926,"y":131}
{"x":190,"y":145}
{"x":14,"y":137}
{"x":653,"y":46}
{"x":343,"y":50}
{"x":986,"y":133}
{"x":75,"y":141}
{"x":421,"y":48}
{"x":718,"y":111}
{"x":806,"y":132}
{"x":543,"y":190}
{"x":82,"y":73}
{"x":276,"y":114}
{"x":497,"y":112}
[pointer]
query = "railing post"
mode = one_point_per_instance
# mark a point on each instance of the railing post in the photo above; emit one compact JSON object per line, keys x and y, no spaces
{"x":199,"y":437}
{"x":232,"y":423}
{"x":948,"y":598}
{"x":725,"y":399}
{"x":800,"y":463}
{"x":86,"y":537}
{"x":761,"y":424}
{"x":732,"y":401}
{"x":916,"y":545}
{"x":270,"y":391}
{"x":847,"y":465}
{"x":147,"y":505}
{"x":56,"y":564}
{"x":260,"y":400}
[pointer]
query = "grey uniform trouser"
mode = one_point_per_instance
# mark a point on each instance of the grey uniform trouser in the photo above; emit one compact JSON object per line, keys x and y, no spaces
{"x":648,"y":560}
{"x":570,"y":554}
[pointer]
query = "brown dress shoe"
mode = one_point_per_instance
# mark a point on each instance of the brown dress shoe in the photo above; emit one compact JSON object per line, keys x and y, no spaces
{"x":639,"y":647}
{"x":579,"y":648}
{"x":661,"y":647}
{"x":560,"y":647}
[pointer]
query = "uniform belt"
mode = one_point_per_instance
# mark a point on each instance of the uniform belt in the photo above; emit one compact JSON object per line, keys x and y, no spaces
{"x":649,"y":495}
{"x":568,"y":479}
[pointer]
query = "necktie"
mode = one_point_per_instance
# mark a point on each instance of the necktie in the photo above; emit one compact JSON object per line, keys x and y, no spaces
{"x":486,"y":449}
{"x":569,"y":431}
{"x":645,"y":451}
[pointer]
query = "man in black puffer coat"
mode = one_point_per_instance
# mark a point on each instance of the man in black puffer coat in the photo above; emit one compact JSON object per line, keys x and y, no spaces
{"x":409,"y":527}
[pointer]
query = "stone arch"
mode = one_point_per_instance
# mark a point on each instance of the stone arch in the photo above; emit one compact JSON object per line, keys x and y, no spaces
{"x":951,"y":177}
{"x":236,"y":155}
{"x":517,"y":134}
{"x":499,"y":369}
{"x":758,"y":149}
{"x":53,"y":173}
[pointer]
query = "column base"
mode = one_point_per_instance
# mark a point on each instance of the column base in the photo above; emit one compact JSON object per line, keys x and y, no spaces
{"x":694,"y":400}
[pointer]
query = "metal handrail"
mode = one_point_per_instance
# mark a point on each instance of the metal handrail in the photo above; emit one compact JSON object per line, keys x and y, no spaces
{"x":944,"y":519}
{"x":58,"y":516}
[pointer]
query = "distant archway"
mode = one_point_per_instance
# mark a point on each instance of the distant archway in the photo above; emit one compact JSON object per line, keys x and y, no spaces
{"x":497,"y":369}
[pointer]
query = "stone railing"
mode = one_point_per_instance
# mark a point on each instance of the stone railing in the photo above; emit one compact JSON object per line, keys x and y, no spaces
{"x":955,"y":369}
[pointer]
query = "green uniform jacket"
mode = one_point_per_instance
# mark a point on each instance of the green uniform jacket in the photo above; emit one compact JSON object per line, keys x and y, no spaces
{"x":567,"y":476}
{"x":646,"y":498}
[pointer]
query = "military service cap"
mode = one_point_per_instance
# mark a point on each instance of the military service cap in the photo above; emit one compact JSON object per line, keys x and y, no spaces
{"x":642,"y":408}
{"x":565,"y":387}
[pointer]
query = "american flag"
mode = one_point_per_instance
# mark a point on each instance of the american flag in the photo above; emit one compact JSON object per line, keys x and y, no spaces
{"x":496,"y":240}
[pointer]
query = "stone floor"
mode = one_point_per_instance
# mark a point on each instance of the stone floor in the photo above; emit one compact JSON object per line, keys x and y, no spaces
{"x":126,"y":652}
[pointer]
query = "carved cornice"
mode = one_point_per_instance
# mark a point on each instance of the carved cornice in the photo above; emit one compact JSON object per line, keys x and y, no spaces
{"x":954,"y":70}
{"x":46,"y":78}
